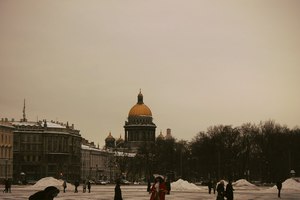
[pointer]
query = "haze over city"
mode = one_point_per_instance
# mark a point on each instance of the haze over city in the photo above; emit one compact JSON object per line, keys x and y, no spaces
{"x":197,"y":63}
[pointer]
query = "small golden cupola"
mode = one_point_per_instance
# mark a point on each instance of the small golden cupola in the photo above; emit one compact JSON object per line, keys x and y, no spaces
{"x":160,"y":136}
{"x":110,"y":141}
{"x":120,"y":142}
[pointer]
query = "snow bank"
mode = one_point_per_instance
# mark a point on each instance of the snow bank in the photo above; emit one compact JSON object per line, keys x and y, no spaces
{"x":181,"y":185}
{"x":288,"y":184}
{"x":291,"y":184}
{"x":243,"y":184}
{"x":50,"y":181}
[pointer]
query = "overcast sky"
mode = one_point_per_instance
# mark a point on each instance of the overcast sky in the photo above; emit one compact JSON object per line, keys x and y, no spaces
{"x":198,"y":63}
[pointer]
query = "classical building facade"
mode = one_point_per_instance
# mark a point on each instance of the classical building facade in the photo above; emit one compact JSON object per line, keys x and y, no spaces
{"x":46,"y":148}
{"x":6,"y":150}
{"x":139,"y":129}
{"x":97,"y":164}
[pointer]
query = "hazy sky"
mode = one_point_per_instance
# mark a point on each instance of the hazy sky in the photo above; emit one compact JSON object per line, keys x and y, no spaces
{"x":198,"y":63}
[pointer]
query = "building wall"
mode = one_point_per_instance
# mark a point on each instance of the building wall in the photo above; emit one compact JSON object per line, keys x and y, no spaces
{"x":97,"y":164}
{"x":6,"y":151}
{"x":42,"y":150}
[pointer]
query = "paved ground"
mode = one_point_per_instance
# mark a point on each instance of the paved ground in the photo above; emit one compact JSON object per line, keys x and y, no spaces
{"x":139,"y":193}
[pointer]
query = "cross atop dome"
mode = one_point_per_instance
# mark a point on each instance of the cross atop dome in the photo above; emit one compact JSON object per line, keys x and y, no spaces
{"x":140,"y":97}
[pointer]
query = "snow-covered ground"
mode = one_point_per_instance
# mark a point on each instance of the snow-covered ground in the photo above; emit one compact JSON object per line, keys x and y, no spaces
{"x":180,"y":190}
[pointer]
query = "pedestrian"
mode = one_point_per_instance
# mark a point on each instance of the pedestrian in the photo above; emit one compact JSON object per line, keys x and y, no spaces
{"x":279,"y":186}
{"x":158,"y":189}
{"x":47,"y":194}
{"x":209,"y":185}
{"x":229,"y":191}
{"x":220,"y":190}
{"x":5,"y":186}
{"x":168,"y":185}
{"x":214,"y":185}
{"x":9,"y":185}
{"x":84,"y":186}
{"x":76,"y":184}
{"x":149,"y":185}
{"x":65,"y":185}
{"x":155,"y":190}
{"x":162,"y":188}
{"x":118,"y":192}
{"x":89,"y":186}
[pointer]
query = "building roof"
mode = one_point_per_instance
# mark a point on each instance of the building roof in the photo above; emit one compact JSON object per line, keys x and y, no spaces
{"x":6,"y":124}
{"x":50,"y":124}
{"x":140,"y":109}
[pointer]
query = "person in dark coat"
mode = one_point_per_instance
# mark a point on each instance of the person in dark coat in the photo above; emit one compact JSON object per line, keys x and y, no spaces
{"x":209,"y":185}
{"x":65,"y":185}
{"x":148,"y":185}
{"x":279,"y":186}
{"x":47,"y":194}
{"x":84,"y":186}
{"x":6,"y":186}
{"x":214,"y":185}
{"x":118,"y":192}
{"x":9,"y":185}
{"x":220,"y":191}
{"x":229,"y":191}
{"x":168,"y":185}
{"x":76,"y":184}
{"x":89,"y":186}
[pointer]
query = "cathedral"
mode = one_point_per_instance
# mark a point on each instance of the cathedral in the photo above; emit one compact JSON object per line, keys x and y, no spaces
{"x":139,"y":128}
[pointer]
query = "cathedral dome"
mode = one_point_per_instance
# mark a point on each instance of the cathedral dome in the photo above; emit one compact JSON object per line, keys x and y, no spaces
{"x":110,"y":138}
{"x":120,"y":140}
{"x":140,"y":109}
{"x":160,"y":136}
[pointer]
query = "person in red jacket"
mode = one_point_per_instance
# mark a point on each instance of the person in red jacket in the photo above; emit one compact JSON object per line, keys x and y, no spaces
{"x":158,"y":189}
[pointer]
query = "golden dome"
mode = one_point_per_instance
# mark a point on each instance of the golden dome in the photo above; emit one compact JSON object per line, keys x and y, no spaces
{"x":140,"y":109}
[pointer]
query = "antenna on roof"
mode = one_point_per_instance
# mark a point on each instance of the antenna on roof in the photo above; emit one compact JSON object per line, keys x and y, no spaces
{"x":24,"y":114}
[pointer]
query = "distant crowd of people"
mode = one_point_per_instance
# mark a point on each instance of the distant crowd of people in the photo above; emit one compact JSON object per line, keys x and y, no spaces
{"x":221,"y":191}
{"x":157,"y":190}
{"x":227,"y":192}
